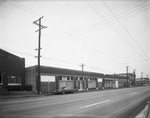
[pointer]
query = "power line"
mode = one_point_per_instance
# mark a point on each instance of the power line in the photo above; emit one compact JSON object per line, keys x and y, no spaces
{"x":32,"y":11}
{"x":98,"y":24}
{"x":11,"y":50}
{"x":77,"y":30}
{"x":96,"y":49}
{"x":62,"y":61}
{"x":112,"y":27}
{"x":124,"y":28}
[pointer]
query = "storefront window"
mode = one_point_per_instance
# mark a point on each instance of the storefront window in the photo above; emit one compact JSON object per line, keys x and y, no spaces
{"x":14,"y":80}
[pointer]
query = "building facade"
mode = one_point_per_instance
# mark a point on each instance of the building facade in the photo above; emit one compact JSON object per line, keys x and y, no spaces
{"x":142,"y":81}
{"x":12,"y":70}
{"x":114,"y":81}
{"x":130,"y":79}
{"x":53,"y":78}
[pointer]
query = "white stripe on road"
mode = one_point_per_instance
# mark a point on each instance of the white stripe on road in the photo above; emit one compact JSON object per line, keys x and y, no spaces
{"x":133,"y":93}
{"x":95,"y":104}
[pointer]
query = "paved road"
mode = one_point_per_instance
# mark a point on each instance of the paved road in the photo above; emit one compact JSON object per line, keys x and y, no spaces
{"x":120,"y":103}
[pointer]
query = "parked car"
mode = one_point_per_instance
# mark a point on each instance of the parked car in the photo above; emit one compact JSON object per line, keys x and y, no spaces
{"x":64,"y":90}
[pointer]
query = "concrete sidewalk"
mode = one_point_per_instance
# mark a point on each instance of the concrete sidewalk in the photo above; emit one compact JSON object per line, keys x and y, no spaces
{"x":18,"y":94}
{"x":144,"y":113}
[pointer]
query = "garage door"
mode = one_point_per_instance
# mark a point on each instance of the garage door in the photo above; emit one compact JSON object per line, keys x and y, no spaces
{"x":48,"y":84}
{"x":91,"y":84}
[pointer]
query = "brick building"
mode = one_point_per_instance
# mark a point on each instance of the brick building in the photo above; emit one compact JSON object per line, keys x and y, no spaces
{"x":53,"y":78}
{"x":12,"y":71}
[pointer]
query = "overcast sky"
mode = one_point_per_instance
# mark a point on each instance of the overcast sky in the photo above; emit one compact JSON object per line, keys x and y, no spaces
{"x":106,"y":36}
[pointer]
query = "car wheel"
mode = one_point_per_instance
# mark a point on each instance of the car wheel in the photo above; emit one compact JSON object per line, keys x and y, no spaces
{"x":63,"y":92}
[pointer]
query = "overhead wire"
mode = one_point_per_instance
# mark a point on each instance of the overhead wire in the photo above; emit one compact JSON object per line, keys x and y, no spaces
{"x":122,"y":37}
{"x":16,"y":11}
{"x":125,"y":29}
{"x":112,"y":19}
{"x":17,"y":44}
{"x":79,"y":30}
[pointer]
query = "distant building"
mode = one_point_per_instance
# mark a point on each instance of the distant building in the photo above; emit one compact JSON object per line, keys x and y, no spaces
{"x":12,"y":71}
{"x":142,"y":81}
{"x":114,"y":81}
{"x":130,"y":78}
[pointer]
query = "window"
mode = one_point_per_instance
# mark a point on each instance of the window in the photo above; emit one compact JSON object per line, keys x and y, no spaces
{"x":81,"y":78}
{"x":64,"y":78}
{"x":14,"y":80}
{"x":71,"y":78}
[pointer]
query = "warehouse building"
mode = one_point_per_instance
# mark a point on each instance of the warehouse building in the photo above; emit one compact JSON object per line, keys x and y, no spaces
{"x":114,"y":81}
{"x":142,"y":81}
{"x":12,"y":71}
{"x":130,"y":79}
{"x":53,"y":78}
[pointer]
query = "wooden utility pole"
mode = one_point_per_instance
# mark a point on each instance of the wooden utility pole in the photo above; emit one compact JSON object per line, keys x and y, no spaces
{"x":147,"y":79}
{"x":141,"y":77}
{"x":82,"y":69}
{"x":127,"y":76}
{"x":38,"y":23}
{"x":134,"y":76}
{"x":82,"y":74}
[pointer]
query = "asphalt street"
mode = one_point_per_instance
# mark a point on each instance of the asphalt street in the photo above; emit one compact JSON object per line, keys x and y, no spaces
{"x":119,"y":103}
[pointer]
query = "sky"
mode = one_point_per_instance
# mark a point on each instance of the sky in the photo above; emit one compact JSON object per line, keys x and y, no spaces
{"x":105,"y":35}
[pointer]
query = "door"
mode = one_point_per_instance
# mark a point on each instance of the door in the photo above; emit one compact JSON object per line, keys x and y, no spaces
{"x":48,"y":83}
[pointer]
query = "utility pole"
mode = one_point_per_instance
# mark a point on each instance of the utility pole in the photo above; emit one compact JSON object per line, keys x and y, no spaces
{"x":127,"y":76}
{"x":38,"y":23}
{"x":141,"y":77}
{"x":82,"y":73}
{"x":147,"y":79}
{"x":82,"y":68}
{"x":134,"y":76}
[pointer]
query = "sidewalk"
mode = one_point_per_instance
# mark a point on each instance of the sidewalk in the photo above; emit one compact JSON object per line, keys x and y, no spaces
{"x":144,"y":112}
{"x":18,"y":94}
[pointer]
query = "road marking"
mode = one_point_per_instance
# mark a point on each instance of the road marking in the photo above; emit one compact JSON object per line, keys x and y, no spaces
{"x":133,"y":93}
{"x":95,"y":104}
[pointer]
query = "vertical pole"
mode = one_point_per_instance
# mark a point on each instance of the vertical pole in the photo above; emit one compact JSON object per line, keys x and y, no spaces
{"x":82,"y":77}
{"x":141,"y":77}
{"x":82,"y":74}
{"x":127,"y":77}
{"x":82,"y":70}
{"x":134,"y":77}
{"x":39,"y":55}
{"x":39,"y":51}
{"x":147,"y":80}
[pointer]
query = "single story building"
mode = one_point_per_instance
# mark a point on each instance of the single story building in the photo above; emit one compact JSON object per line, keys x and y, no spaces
{"x":130,"y":79}
{"x":53,"y":78}
{"x":142,"y":81}
{"x":114,"y":81}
